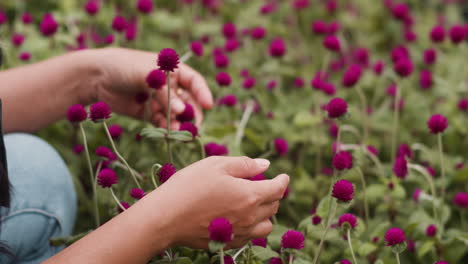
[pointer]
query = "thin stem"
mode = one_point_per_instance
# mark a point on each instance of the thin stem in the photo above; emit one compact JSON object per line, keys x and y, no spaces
{"x":365,"y":120}
{"x":153,"y":174}
{"x":148,"y":107}
{"x":91,"y":175}
{"x":338,"y":138}
{"x":442,"y":165}
{"x":249,"y":252}
{"x":95,"y":198}
{"x":396,"y":117}
{"x":374,"y":159}
{"x":429,"y":180}
{"x":366,"y":205}
{"x":202,"y":148}
{"x":291,"y":259}
{"x":239,"y":252}
{"x":351,"y":246}
{"x":397,"y":258}
{"x":266,"y":155}
{"x":116,"y":199}
{"x":324,"y":235}
{"x":463,"y":221}
{"x":186,"y":56}
{"x":120,"y":156}
{"x":221,"y":256}
{"x":168,"y":117}
{"x":243,"y":123}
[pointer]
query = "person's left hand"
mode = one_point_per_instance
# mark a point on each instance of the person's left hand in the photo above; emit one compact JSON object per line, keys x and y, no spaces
{"x":123,"y":76}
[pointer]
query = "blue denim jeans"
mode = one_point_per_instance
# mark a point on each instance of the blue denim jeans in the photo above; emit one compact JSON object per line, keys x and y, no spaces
{"x":43,"y":199}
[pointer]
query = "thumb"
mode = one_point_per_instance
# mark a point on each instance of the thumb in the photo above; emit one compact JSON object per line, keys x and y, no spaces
{"x":245,"y":167}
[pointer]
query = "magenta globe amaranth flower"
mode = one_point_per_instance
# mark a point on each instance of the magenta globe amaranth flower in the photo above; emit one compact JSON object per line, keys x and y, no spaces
{"x":352,"y":75}
{"x":248,"y":83}
{"x":119,"y":24}
{"x":461,"y":200}
{"x":3,"y":18}
{"x":260,"y":242}
{"x":166,"y":172}
{"x":77,"y":113}
{"x":229,"y":30}
{"x":378,"y":67}
{"x":258,"y":33}
{"x":292,"y":239}
{"x":231,"y":45}
{"x":343,"y":160}
{"x":404,"y":67}
{"x":26,"y":18}
{"x":99,"y":111}
{"x":394,"y":236}
{"x":187,"y":115}
{"x":405,"y":151}
{"x":190,"y":127}
{"x":348,"y":218}
{"x":463,"y":104}
{"x":457,"y":34}
{"x":137,"y":193}
{"x":228,"y":100}
{"x":168,"y":60}
{"x":106,"y":178}
{"x":319,"y":27}
{"x":115,"y":131}
{"x":17,"y":39}
{"x":220,"y":230}
{"x":431,"y":230}
{"x":92,"y":7}
{"x":343,"y":191}
{"x":277,"y":47}
{"x":316,"y":220}
{"x":124,"y":205}
{"x":48,"y":25}
{"x":214,"y":149}
{"x":109,"y":39}
{"x":228,"y":260}
{"x":197,"y":48}
{"x":78,"y":149}
{"x":416,"y":194}
{"x":258,"y":177}
{"x":298,"y":82}
{"x":221,"y":60}
{"x":430,"y":56}
{"x":223,"y":79}
{"x":131,"y":31}
{"x":145,"y":6}
{"x":281,"y":146}
{"x":336,"y":108}
{"x":437,"y":124}
{"x":441,"y":262}
{"x":400,"y":11}
{"x":156,"y":79}
{"x":425,"y":79}
{"x":328,"y":88}
{"x":437,"y":34}
{"x":361,"y":56}
{"x":400,"y":168}
{"x":104,"y":152}
{"x":271,"y":85}
{"x":345,"y":261}
{"x":332,"y":43}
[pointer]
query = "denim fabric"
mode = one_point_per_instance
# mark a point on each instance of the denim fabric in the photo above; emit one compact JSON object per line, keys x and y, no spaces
{"x":43,"y":199}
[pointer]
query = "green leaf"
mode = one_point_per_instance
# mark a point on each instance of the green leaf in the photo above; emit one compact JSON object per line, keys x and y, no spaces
{"x":180,"y":135}
{"x":323,"y":207}
{"x":183,"y":260}
{"x":264,"y":253}
{"x":216,"y":246}
{"x":306,"y":119}
{"x":366,"y":248}
{"x":425,"y":248}
{"x":155,"y":133}
{"x":461,"y":175}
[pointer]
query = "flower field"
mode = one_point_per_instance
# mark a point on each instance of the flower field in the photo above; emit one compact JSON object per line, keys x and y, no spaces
{"x":363,"y":103}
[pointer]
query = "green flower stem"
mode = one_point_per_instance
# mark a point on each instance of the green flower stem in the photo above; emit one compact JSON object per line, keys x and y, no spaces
{"x":168,"y":117}
{"x":239,"y":252}
{"x":365,"y":119}
{"x":147,"y":114}
{"x":221,"y":256}
{"x":249,"y":252}
{"x":243,"y":123}
{"x":374,"y":159}
{"x":463,"y":221}
{"x":120,"y":156}
{"x":91,"y":175}
{"x":153,"y":173}
{"x":95,"y":198}
{"x":116,"y":199}
{"x":266,"y":155}
{"x":364,"y":187}
{"x":186,"y":56}
{"x":202,"y":147}
{"x":396,"y":120}
{"x":429,"y":180}
{"x":442,"y":165}
{"x":324,"y":234}
{"x":351,"y":246}
{"x":397,"y":258}
{"x":291,"y":259}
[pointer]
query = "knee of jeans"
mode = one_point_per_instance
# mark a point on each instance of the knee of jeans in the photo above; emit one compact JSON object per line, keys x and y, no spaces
{"x":40,"y":178}
{"x":27,"y":233}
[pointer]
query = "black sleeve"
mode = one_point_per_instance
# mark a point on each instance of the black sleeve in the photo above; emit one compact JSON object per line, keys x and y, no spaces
{"x":4,"y":182}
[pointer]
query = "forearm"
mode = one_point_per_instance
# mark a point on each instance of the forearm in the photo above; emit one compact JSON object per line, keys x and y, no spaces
{"x":134,"y":236}
{"x":39,"y":94}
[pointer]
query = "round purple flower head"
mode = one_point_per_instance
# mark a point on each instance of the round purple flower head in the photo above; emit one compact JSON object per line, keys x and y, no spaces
{"x":461,"y":200}
{"x":416,"y":194}
{"x":316,"y":220}
{"x":343,"y":190}
{"x":99,"y":111}
{"x":277,"y":47}
{"x":229,"y":30}
{"x":166,"y":172}
{"x":336,"y":108}
{"x":319,"y":27}
{"x":156,"y":79}
{"x":3,"y":18}
{"x":404,"y":67}
{"x":248,"y":83}
{"x":430,"y":56}
{"x":221,"y":60}
{"x":292,"y":239}
{"x":188,"y":126}
{"x":124,"y":205}
{"x":168,"y":59}
{"x":107,"y":178}
{"x":48,"y":25}
{"x":187,"y":115}
{"x":361,"y":56}
{"x":258,"y":177}
{"x":405,"y":151}
{"x":281,"y":146}
{"x":109,"y":39}
{"x":395,"y":236}
{"x":260,"y":242}
{"x":431,"y":230}
{"x":17,"y":39}
{"x":425,"y":79}
{"x":258,"y":33}
{"x":348,"y":218}
{"x":332,"y":43}
{"x":92,"y":7}
{"x":437,"y":124}
{"x":223,"y":79}
{"x":400,"y":168}
{"x":400,"y":11}
{"x":103,"y":152}
{"x":437,"y":34}
{"x":220,"y":230}
{"x":119,"y":23}
{"x":228,"y":260}
{"x":328,"y":88}
{"x":457,"y":34}
{"x":27,"y":18}
{"x":463,"y":104}
{"x":78,"y":149}
{"x":231,"y":45}
{"x":298,"y":82}
{"x":76,"y":113}
{"x":228,"y":100}
{"x":352,"y":75}
{"x":345,"y":261}
{"x":213,"y":149}
{"x":399,"y":52}
{"x":343,"y":160}
{"x":197,"y":48}
{"x":276,"y":261}
{"x":115,"y":131}
{"x":137,"y":193}
{"x":145,"y":6}
{"x":441,"y":262}
{"x":378,"y":67}
{"x":271,"y":85}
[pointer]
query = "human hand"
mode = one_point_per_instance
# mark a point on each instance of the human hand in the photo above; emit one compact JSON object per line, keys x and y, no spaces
{"x":218,"y":187}
{"x":122,"y":76}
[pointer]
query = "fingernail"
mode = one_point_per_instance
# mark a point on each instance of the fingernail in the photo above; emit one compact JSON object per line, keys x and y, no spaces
{"x":178,"y":106}
{"x":263,"y":163}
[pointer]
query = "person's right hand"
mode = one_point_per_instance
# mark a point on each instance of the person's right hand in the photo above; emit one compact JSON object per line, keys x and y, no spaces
{"x":218,"y":187}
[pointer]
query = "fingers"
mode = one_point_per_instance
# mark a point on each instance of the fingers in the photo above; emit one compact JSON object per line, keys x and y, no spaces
{"x":271,"y":190}
{"x":262,"y":229}
{"x":244,"y":167}
{"x":267,"y":210}
{"x":196,"y":84}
